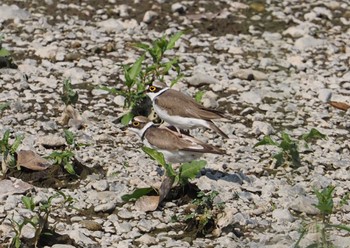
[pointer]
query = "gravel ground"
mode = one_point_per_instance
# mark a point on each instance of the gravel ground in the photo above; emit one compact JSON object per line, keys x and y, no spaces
{"x":272,"y":66}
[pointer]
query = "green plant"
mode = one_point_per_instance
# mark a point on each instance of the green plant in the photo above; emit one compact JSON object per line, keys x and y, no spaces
{"x":3,"y":51}
{"x":288,"y":147}
{"x":4,"y":106}
{"x":6,"y":60}
{"x":39,"y":217}
{"x":69,"y":96}
{"x":8,"y":150}
{"x":150,"y":66}
{"x":65,"y":158}
{"x":186,"y":172}
{"x":199,"y":95}
{"x":326,"y":207}
{"x":203,"y":213}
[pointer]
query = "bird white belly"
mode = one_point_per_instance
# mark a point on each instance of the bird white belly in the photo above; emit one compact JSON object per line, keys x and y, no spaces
{"x":178,"y":121}
{"x":180,"y":156}
{"x":175,"y":156}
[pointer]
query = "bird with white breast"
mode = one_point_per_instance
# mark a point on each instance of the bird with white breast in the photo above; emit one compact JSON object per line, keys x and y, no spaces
{"x":176,"y":148}
{"x":181,"y":110}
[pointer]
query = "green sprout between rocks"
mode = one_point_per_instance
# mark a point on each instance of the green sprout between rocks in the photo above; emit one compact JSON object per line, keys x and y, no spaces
{"x":8,"y":151}
{"x":39,"y":218}
{"x":4,"y":105}
{"x":199,"y":95}
{"x":69,"y":96}
{"x":187,"y":171}
{"x":203,"y":213}
{"x":289,"y":148}
{"x":152,"y":65}
{"x":6,"y":60}
{"x":66,"y":158}
{"x":326,"y":207}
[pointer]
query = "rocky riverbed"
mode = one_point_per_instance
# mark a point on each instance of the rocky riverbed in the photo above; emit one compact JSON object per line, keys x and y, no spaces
{"x":273,"y":66}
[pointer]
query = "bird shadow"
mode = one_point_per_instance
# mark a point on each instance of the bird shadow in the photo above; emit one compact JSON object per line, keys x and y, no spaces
{"x":216,"y":175}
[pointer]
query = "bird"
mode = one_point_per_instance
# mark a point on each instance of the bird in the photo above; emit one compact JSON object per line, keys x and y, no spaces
{"x":181,"y":110}
{"x":175,"y":147}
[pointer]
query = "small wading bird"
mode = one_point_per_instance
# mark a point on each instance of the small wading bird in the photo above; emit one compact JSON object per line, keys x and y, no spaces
{"x":180,"y":110}
{"x":176,"y":148}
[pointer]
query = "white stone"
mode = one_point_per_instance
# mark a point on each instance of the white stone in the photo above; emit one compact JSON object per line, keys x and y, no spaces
{"x":147,"y":239}
{"x":252,"y":97}
{"x":325,"y":95}
{"x":119,"y":100}
{"x":260,"y":127}
{"x":149,"y":16}
{"x":282,"y":215}
{"x":178,"y":7}
{"x":308,"y":41}
{"x":199,"y":78}
{"x":12,"y":12}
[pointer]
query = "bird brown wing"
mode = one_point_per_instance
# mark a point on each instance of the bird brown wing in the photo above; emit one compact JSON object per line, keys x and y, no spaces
{"x":166,"y":139}
{"x":187,"y":106}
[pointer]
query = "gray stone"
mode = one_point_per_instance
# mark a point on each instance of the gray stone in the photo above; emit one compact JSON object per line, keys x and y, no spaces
{"x":304,"y":204}
{"x":100,"y":185}
{"x":13,"y":12}
{"x":260,"y":127}
{"x":282,"y":215}
{"x":325,"y":95}
{"x":307,"y":42}
{"x":199,"y":78}
{"x":149,"y":16}
{"x":178,"y":7}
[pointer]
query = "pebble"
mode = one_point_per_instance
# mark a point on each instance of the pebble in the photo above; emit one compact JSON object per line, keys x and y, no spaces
{"x":149,"y":16}
{"x":282,"y":215}
{"x":260,"y":127}
{"x":178,"y":7}
{"x":199,"y":78}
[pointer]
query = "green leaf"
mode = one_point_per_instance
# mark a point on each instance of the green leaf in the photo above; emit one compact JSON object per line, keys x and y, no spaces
{"x":69,"y":96}
{"x":5,"y":139}
{"x":199,"y":95}
{"x":4,"y":106}
{"x":325,"y":200}
{"x":16,"y":143}
{"x":313,"y":134}
{"x":341,"y":227}
{"x":294,"y":153}
{"x":143,"y":46}
{"x":69,"y":136}
{"x":279,"y":158}
{"x":4,"y":52}
{"x":190,"y":170}
{"x":137,"y":194}
{"x":285,"y":137}
{"x":173,"y":39}
{"x":28,"y":202}
{"x":125,"y":120}
{"x":169,"y":171}
{"x":110,"y":90}
{"x":136,"y":68}
{"x":267,"y":140}
{"x":157,"y":156}
{"x":69,"y":168}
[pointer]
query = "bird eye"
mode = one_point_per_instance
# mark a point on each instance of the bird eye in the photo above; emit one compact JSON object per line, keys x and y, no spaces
{"x":136,"y":123}
{"x":152,"y":88}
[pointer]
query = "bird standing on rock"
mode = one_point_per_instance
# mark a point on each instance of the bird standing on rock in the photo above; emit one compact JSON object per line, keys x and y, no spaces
{"x":176,"y":148}
{"x":180,"y":110}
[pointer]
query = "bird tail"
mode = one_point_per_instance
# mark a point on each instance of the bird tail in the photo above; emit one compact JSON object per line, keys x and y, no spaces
{"x":213,"y":127}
